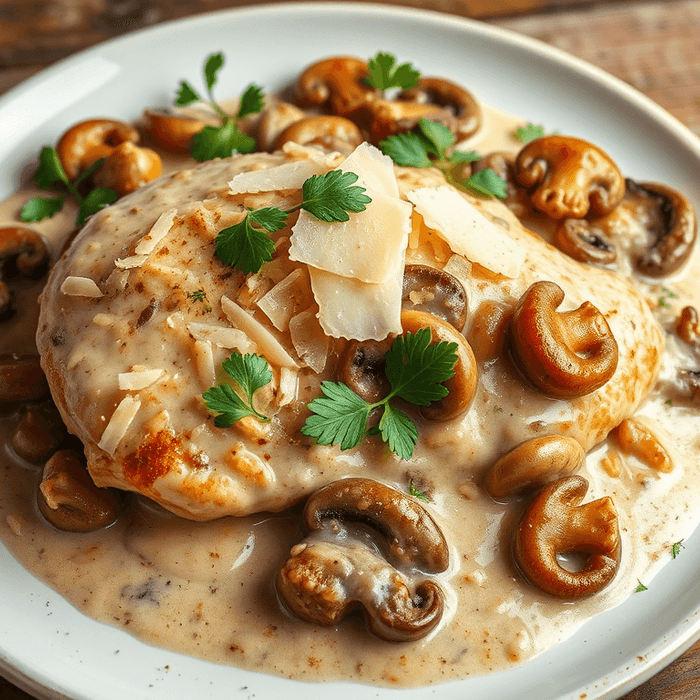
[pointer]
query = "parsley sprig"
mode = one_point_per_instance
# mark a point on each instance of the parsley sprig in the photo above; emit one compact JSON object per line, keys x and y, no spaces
{"x":416,"y":371}
{"x":529,"y":132}
{"x":49,"y":173}
{"x":249,"y":373}
{"x":431,"y":145}
{"x":384,"y":74}
{"x":221,"y":141}
{"x":328,"y":197}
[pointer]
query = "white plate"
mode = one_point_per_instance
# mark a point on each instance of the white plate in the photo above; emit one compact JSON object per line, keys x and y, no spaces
{"x":49,"y":648}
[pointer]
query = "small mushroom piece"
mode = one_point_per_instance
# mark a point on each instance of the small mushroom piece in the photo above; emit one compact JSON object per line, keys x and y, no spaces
{"x":328,"y":131}
{"x":556,"y":526}
{"x":362,"y":368}
{"x":26,"y":251}
{"x":322,"y":582}
{"x":672,"y":224}
{"x":127,"y":168}
{"x":68,"y":498}
{"x":274,"y":120}
{"x":532,"y":464}
{"x":172,"y":132}
{"x":459,"y":110}
{"x":563,"y":354}
{"x":638,"y":440}
{"x":336,"y":84}
{"x":21,"y":378}
{"x":85,"y":143}
{"x":688,"y":327}
{"x":462,"y":386}
{"x":570,"y":176}
{"x":389,"y":117}
{"x":581,"y":240}
{"x":436,"y":292}
{"x":414,"y":539}
{"x":36,"y":437}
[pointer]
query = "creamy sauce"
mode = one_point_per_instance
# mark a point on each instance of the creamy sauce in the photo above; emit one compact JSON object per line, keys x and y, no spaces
{"x":207,"y":588}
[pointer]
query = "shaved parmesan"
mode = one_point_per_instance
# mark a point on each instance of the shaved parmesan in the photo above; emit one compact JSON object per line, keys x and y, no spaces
{"x":289,"y":380}
{"x":282,"y":301}
{"x":369,"y":247}
{"x":289,"y":176}
{"x":222,"y":336}
{"x":204,"y":357}
{"x":467,"y":231}
{"x":158,"y":231}
{"x":130,"y":262}
{"x":119,"y":423}
{"x":374,"y":170}
{"x":135,"y":380}
{"x":268,"y":346}
{"x":309,"y":340}
{"x":80,"y":287}
{"x":356,"y":310}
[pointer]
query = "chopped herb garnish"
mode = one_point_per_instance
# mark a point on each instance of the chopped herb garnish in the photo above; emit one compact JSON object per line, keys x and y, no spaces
{"x":665,"y":296}
{"x":668,"y":402}
{"x":328,"y":197}
{"x":641,"y":587}
{"x":430,"y":146}
{"x":528,"y":133}
{"x":413,"y":490}
{"x":199,"y":295}
{"x":497,"y":409}
{"x":49,"y":173}
{"x":416,"y":371}
{"x":249,"y":373}
{"x":221,"y":141}
{"x":384,"y":74}
{"x":676,"y":548}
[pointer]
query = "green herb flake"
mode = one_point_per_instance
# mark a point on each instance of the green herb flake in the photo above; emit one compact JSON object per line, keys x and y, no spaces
{"x":528,"y":133}
{"x":676,"y":548}
{"x":416,"y":371}
{"x":641,"y":587}
{"x":408,"y":150}
{"x":249,"y":373}
{"x":413,"y":490}
{"x":487,"y":183}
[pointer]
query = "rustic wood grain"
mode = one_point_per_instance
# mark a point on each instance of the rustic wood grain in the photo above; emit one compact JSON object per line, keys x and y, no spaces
{"x":654,"y":46}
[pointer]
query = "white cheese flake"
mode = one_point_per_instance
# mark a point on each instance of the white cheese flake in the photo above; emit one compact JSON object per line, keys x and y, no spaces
{"x":289,"y":176}
{"x":281,"y":302}
{"x":118,"y":424}
{"x":158,"y":231}
{"x":467,"y":231}
{"x":130,"y":262}
{"x":222,"y":337}
{"x":80,"y":287}
{"x":139,"y":379}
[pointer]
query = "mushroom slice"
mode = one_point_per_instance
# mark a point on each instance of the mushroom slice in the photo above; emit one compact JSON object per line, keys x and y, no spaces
{"x":21,"y":378}
{"x":436,"y":292}
{"x":172,"y":132}
{"x":671,"y":222}
{"x":322,"y":581}
{"x":556,"y":525}
{"x":532,"y":464}
{"x":462,"y":385}
{"x":327,"y":131}
{"x":458,"y":109}
{"x":415,"y":540}
{"x":569,"y":176}
{"x":362,"y":368}
{"x":563,"y":354}
{"x":68,"y":498}
{"x":582,"y":240}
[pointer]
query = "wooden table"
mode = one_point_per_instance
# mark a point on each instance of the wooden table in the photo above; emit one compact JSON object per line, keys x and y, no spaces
{"x":654,"y":46}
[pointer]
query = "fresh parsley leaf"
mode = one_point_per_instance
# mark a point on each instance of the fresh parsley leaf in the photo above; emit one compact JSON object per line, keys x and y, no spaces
{"x":270,"y":218}
{"x":252,"y":101}
{"x":250,"y":373}
{"x":220,"y":142}
{"x":97,"y":199}
{"x":415,"y":371}
{"x":641,"y":587}
{"x":50,"y":169}
{"x":408,"y":150}
{"x":529,"y":133}
{"x":211,"y":67}
{"x":40,"y":208}
{"x":438,"y":135}
{"x":331,"y":196}
{"x":413,"y":490}
{"x":486,"y":182}
{"x":244,"y":246}
{"x":384,"y":74}
{"x":186,"y":95}
{"x":464,"y":157}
